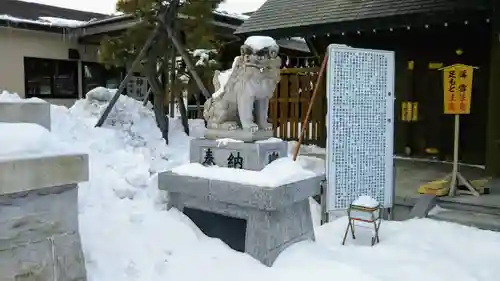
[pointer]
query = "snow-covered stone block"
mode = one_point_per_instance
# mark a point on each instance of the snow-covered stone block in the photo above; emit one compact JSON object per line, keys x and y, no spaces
{"x":275,"y":217}
{"x":25,"y":173}
{"x":39,"y":218}
{"x":36,"y":112}
{"x":238,"y":154}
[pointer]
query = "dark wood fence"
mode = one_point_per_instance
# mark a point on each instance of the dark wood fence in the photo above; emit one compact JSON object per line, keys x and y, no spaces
{"x":290,"y":102}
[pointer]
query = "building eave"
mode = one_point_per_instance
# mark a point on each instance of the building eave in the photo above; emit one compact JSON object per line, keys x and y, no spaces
{"x":124,"y":22}
{"x":34,"y":27}
{"x":371,"y":24}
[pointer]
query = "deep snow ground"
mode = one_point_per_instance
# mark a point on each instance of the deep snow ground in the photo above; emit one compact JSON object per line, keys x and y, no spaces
{"x":128,"y":235}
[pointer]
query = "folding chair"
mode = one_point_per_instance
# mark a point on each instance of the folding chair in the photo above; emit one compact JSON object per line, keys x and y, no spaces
{"x":363,"y":214}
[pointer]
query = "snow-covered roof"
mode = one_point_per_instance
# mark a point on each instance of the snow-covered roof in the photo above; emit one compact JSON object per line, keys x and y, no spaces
{"x":47,"y":21}
{"x":260,"y":42}
{"x":29,"y":13}
{"x":232,"y":15}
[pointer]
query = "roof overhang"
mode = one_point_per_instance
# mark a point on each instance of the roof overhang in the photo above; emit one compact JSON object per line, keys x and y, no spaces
{"x":33,"y":26}
{"x":370,"y":24}
{"x":124,"y":22}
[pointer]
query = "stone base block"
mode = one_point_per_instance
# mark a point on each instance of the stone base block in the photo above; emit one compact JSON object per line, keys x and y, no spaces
{"x":260,"y":221}
{"x":25,"y":112}
{"x":39,"y":235}
{"x":23,"y":174}
{"x":249,"y":156}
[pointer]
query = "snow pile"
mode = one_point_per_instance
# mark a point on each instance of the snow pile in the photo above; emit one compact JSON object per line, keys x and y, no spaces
{"x":366,"y":201}
{"x":203,"y":56}
{"x":133,"y":126}
{"x":9,"y":97}
{"x":307,"y":148}
{"x":269,"y":140}
{"x":260,"y":42}
{"x":280,"y":172}
{"x":223,"y":77}
{"x":30,"y":140}
{"x":226,"y":141}
{"x":313,"y":164}
{"x":417,"y":249}
{"x":128,"y":235}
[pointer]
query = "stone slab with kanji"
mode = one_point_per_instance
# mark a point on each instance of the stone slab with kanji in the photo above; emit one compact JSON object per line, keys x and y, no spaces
{"x":240,"y":155}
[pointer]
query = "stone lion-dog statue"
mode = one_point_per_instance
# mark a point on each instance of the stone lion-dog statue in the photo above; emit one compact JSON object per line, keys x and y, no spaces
{"x":254,"y":77}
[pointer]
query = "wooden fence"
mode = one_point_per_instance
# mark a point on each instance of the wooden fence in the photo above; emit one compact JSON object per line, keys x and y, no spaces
{"x":288,"y":107}
{"x":290,"y":102}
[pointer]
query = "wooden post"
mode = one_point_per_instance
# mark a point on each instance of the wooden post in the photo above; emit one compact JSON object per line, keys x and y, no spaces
{"x":456,"y":177}
{"x":454,"y":173}
{"x":146,"y":98}
{"x":306,"y":119}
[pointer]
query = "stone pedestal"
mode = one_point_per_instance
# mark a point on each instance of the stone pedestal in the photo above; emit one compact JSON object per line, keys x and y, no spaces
{"x":263,"y":221}
{"x":39,"y":218}
{"x":26,"y":112}
{"x":249,"y":156}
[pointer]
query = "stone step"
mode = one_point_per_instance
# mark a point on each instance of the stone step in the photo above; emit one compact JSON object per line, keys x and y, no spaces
{"x":467,"y":218}
{"x":447,"y":203}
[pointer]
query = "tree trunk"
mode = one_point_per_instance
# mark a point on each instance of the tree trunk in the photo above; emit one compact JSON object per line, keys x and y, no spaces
{"x":179,"y":95}
{"x":158,"y":95}
{"x":170,"y":75}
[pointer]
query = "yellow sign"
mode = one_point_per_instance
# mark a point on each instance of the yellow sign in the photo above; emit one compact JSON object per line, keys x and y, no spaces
{"x":414,"y":116}
{"x":409,"y":111}
{"x":457,"y":81}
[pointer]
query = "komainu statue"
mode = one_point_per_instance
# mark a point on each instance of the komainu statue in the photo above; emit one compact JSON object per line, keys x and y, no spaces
{"x":255,"y":74}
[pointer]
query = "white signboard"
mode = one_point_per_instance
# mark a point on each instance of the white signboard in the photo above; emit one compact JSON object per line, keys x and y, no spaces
{"x":360,"y":90}
{"x":137,"y":87}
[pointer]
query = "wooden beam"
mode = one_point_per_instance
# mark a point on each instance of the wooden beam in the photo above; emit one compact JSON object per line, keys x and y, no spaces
{"x":187,"y":59}
{"x":125,"y":80}
{"x":312,"y":47}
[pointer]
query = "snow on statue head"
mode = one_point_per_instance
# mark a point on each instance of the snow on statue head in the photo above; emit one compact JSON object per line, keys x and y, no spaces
{"x":246,"y":87}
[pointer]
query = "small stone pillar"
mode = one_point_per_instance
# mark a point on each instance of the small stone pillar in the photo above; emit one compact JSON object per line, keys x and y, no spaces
{"x":39,"y":218}
{"x":26,"y":111}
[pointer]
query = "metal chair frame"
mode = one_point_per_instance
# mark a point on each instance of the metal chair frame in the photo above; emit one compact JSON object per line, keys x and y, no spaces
{"x":374,"y":220}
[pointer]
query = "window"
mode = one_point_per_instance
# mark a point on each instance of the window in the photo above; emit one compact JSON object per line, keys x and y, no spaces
{"x":96,"y":75}
{"x":47,"y":78}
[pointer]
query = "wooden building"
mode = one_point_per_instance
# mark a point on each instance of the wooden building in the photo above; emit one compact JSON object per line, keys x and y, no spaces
{"x":425,"y":35}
